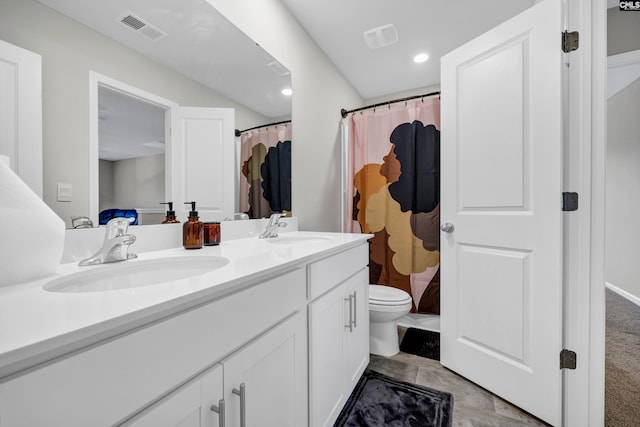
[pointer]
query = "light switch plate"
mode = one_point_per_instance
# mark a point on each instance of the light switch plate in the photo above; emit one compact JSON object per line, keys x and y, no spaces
{"x":64,"y":192}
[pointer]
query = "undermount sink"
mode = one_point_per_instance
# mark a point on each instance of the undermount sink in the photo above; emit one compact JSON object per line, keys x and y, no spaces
{"x":297,"y":239}
{"x":135,"y":274}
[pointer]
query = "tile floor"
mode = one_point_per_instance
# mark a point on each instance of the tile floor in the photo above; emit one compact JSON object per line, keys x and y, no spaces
{"x":473,"y":406}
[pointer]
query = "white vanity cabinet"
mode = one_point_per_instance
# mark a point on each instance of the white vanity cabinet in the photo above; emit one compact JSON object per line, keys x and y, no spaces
{"x":108,"y":383}
{"x":264,"y":383}
{"x":282,"y":347}
{"x":338,"y":331}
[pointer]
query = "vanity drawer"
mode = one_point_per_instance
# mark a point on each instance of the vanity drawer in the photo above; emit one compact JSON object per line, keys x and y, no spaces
{"x":329,"y":272}
{"x":107,"y":383}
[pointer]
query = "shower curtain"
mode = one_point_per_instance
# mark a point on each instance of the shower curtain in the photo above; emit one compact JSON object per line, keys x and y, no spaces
{"x":393,"y":192}
{"x":265,"y":165}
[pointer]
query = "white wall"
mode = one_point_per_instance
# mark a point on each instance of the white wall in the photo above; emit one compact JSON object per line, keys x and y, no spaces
{"x":622,"y":253}
{"x":138,"y":183}
{"x":107,"y":190}
{"x":623,"y":199}
{"x":69,"y":50}
{"x":405,"y":94}
{"x":319,"y":92}
{"x":623,"y":31}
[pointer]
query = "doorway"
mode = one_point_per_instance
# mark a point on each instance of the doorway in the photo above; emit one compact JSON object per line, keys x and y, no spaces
{"x":622,"y":362}
{"x":131,"y":156}
{"x":129,"y":165}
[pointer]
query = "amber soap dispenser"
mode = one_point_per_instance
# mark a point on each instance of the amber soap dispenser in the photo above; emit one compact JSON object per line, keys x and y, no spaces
{"x":171,"y":214}
{"x":192,"y":230}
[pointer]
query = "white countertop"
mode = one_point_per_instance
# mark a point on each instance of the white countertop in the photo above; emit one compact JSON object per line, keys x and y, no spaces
{"x":37,"y":325}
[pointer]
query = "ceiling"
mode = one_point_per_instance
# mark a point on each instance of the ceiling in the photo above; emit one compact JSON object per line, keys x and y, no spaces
{"x":124,"y":134}
{"x":204,"y":46}
{"x":432,"y":26}
{"x":198,"y":42}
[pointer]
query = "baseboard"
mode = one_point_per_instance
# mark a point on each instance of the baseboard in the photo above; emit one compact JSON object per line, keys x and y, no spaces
{"x":634,"y":299}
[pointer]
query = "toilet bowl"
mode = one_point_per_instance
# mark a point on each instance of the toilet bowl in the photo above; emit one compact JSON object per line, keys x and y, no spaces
{"x":386,"y":306}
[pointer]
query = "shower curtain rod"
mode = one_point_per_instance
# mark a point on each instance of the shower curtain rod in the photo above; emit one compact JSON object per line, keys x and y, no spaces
{"x":344,"y":112}
{"x":239,"y":132}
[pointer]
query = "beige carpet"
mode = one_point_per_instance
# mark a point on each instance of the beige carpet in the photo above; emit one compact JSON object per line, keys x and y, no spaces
{"x":622,"y":374}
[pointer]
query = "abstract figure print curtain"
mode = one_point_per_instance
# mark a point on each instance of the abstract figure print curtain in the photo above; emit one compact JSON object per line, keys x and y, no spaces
{"x":394,"y":193}
{"x":265,"y":165}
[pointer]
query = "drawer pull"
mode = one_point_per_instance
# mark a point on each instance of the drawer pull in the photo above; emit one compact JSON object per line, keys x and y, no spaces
{"x":355,"y":307}
{"x":219,"y":409}
{"x":350,"y":324}
{"x":243,"y":412}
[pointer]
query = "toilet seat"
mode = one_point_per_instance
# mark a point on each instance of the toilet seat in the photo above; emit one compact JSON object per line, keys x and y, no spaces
{"x":387,"y":296}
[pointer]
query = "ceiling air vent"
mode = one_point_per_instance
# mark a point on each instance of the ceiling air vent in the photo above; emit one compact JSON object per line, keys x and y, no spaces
{"x":141,"y":27}
{"x":278,"y":68}
{"x":381,"y":36}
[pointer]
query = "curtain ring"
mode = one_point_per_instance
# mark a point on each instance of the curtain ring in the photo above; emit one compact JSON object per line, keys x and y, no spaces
{"x":422,"y":100}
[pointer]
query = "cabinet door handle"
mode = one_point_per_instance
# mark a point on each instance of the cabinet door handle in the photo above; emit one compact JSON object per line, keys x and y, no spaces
{"x":350,"y":324}
{"x":355,"y":307}
{"x":243,"y":402}
{"x":219,"y":409}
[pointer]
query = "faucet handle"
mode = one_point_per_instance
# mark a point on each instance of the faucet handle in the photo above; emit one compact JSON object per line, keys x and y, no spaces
{"x":117,"y":227}
{"x":276,"y":216}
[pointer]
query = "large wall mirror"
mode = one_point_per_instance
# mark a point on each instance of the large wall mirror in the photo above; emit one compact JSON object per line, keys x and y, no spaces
{"x":184,"y":52}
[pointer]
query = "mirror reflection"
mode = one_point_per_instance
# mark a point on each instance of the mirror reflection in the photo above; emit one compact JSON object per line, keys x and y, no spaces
{"x":131,"y":153}
{"x":187,"y":53}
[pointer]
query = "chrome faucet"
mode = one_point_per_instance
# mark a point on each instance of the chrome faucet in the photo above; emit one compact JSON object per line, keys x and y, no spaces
{"x":273,"y":226}
{"x":115,"y":246}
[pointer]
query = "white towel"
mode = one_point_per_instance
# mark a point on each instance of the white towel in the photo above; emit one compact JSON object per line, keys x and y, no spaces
{"x":31,"y":234}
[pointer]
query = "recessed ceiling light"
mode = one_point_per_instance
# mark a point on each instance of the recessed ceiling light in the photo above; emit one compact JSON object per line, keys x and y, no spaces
{"x":287,"y":92}
{"x":420,"y":58}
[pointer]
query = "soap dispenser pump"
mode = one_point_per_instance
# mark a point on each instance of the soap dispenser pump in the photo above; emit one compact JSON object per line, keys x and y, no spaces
{"x":171,"y":214}
{"x":192,"y":230}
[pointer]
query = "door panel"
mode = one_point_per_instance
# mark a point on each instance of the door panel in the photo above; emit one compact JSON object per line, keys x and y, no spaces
{"x":357,"y":345}
{"x":273,"y":372}
{"x":21,"y":113}
{"x":327,"y":353}
{"x":202,"y":161}
{"x":501,"y":293}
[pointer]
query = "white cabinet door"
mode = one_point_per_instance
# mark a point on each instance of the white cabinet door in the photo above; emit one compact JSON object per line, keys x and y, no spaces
{"x":501,"y":190}
{"x":189,"y":406}
{"x":357,"y":339}
{"x":21,"y":113}
{"x":202,"y":167}
{"x":266,"y":381}
{"x":338,"y":346}
{"x":327,"y":354}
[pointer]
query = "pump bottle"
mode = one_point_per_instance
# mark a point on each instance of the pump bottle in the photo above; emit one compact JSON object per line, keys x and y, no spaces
{"x":192,"y":230}
{"x":171,"y":214}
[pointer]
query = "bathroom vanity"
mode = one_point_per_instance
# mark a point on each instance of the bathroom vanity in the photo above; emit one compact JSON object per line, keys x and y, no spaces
{"x":277,"y":335}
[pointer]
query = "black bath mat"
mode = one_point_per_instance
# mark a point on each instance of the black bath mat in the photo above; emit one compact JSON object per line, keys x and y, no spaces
{"x":421,"y":343}
{"x":381,"y":401}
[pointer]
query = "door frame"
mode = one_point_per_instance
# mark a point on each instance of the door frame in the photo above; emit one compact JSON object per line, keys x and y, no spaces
{"x":24,"y":145}
{"x":97,"y":80}
{"x":585,"y":160}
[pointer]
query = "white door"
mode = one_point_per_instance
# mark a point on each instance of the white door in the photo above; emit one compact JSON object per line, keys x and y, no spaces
{"x":357,"y":345}
{"x":202,"y":167}
{"x":266,"y":382}
{"x":501,"y":269}
{"x":327,"y":370}
{"x":21,"y":113}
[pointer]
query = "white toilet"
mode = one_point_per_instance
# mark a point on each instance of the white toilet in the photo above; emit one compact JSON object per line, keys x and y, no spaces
{"x":386,"y":306}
